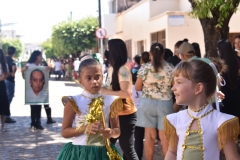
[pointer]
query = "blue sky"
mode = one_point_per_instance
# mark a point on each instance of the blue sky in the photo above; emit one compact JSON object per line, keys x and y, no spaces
{"x":35,"y":18}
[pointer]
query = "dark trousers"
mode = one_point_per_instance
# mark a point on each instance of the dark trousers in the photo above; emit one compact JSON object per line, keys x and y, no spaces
{"x":138,"y":144}
{"x":10,"y":88}
{"x":48,"y":111}
{"x":126,"y":138}
{"x":36,"y":115}
{"x":58,"y":75}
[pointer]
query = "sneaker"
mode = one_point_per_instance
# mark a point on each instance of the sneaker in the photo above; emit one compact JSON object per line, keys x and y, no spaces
{"x":32,"y":128}
{"x":9,"y":120}
{"x":39,"y":127}
{"x":50,"y":121}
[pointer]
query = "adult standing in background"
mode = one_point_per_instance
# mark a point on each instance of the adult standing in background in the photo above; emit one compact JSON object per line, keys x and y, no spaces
{"x":236,"y":47}
{"x":10,"y":80}
{"x":68,"y":70}
{"x":231,"y":103}
{"x":197,"y":49}
{"x":174,"y":60}
{"x":76,"y":65}
{"x":145,"y":58}
{"x":63,"y":69}
{"x":34,"y":61}
{"x":154,"y":80}
{"x":4,"y":104}
{"x":58,"y":69}
{"x":119,"y":83}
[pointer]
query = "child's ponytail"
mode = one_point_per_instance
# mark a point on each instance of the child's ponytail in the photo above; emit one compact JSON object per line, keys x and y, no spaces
{"x":157,"y":51}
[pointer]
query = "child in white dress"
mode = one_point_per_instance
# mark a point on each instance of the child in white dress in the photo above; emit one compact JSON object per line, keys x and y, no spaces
{"x":90,"y":110}
{"x":200,"y":131}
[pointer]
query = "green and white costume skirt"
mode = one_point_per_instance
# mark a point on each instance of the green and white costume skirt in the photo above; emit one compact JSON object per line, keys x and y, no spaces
{"x":79,"y":152}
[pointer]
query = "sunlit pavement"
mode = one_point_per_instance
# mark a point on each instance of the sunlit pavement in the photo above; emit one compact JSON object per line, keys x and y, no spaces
{"x":19,"y":143}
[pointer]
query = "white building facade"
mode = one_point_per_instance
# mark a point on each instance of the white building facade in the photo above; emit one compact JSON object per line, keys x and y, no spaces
{"x":163,"y":21}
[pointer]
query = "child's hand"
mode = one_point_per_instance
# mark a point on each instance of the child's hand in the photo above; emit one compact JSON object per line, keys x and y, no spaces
{"x":220,"y":95}
{"x":93,"y":128}
{"x":24,"y":68}
{"x":107,"y":133}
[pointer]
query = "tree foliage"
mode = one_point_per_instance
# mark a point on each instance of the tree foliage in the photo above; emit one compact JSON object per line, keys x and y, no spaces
{"x":12,"y":42}
{"x":214,"y":16}
{"x":72,"y":37}
{"x":220,"y":9}
{"x":48,"y":48}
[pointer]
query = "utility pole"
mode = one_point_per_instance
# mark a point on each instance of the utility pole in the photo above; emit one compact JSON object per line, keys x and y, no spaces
{"x":99,"y":14}
{"x":100,"y":25}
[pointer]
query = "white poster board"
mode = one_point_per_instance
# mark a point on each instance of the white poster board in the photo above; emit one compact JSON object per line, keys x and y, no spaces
{"x":36,"y":86}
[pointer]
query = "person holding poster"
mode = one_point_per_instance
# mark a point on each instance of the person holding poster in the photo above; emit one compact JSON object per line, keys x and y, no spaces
{"x":35,"y":77}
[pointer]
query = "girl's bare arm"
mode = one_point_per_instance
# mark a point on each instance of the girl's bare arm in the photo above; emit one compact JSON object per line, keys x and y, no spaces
{"x":230,"y":151}
{"x":139,"y":84}
{"x":124,"y":92}
{"x":67,"y":130}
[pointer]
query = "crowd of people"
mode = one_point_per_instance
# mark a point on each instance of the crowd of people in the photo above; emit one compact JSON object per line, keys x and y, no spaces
{"x":163,"y":96}
{"x":190,"y":104}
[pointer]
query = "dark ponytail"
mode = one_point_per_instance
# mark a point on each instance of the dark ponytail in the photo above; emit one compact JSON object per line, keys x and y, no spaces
{"x":157,"y":51}
{"x":117,"y":58}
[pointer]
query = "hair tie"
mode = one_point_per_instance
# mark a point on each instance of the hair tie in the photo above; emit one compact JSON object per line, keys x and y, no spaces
{"x":220,"y":79}
{"x":157,"y":47}
{"x":86,"y":57}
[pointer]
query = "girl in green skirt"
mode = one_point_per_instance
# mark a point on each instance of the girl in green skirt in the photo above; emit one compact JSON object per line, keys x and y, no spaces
{"x":90,"y":110}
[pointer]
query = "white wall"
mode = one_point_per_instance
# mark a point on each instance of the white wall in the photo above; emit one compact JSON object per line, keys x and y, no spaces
{"x":185,"y":5}
{"x":192,"y":30}
{"x":160,"y":6}
{"x":235,"y":22}
{"x":136,"y":25}
{"x":109,"y":22}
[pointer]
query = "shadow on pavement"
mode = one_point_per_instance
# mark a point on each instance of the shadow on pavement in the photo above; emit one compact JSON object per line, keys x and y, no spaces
{"x":19,"y":143}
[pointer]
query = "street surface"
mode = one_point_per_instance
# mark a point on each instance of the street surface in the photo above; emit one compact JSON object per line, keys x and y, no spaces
{"x":19,"y":143}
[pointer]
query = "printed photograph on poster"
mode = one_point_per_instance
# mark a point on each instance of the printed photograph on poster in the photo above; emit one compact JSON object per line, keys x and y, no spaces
{"x":36,"y":85}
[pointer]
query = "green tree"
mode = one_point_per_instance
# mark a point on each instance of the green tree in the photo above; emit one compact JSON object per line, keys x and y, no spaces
{"x":214,"y":16}
{"x":12,"y":42}
{"x":48,"y":49}
{"x":72,"y":37}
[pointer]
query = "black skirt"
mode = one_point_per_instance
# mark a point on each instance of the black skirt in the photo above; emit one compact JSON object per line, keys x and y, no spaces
{"x":4,"y":104}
